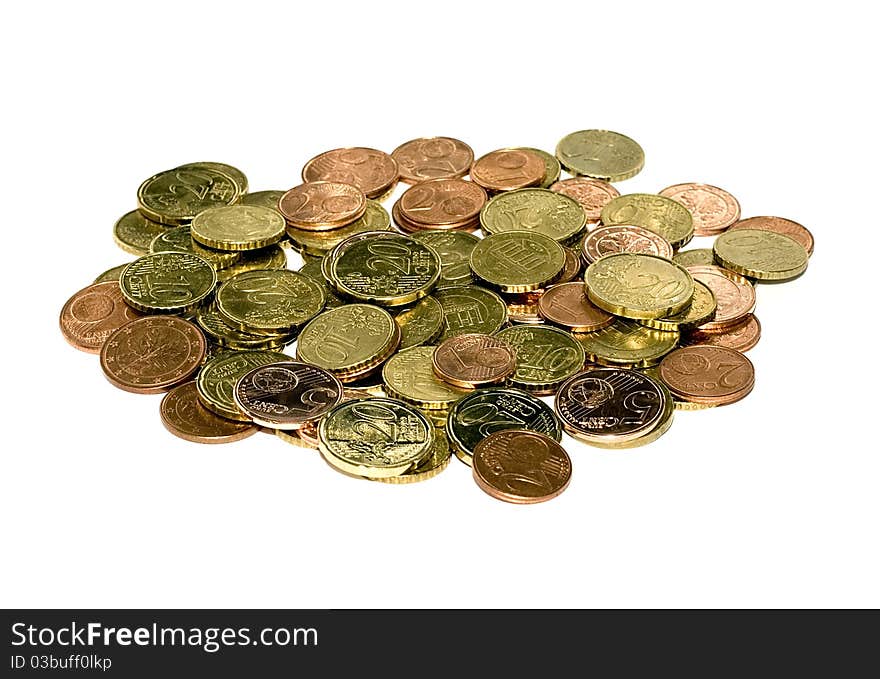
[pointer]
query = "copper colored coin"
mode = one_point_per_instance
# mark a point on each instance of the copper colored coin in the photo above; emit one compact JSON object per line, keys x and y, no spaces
{"x":713,"y":209}
{"x":567,"y":305}
{"x":409,"y":226}
{"x":508,"y":169}
{"x":373,"y":172}
{"x":443,"y":202}
{"x":592,"y":194}
{"x":521,"y":466}
{"x":474,"y":360}
{"x":572,"y":268}
{"x":184,"y":416}
{"x":608,"y":240}
{"x":432,"y":158}
{"x":151,"y":354}
{"x":742,"y":336}
{"x":93,"y":314}
{"x":734,"y":295}
{"x":321,"y":206}
{"x":708,"y":374}
{"x":781,"y":225}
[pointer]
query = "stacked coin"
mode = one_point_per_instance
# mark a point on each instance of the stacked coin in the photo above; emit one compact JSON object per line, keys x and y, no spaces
{"x":390,"y":349}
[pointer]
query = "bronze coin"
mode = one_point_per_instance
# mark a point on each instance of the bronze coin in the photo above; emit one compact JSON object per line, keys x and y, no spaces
{"x":474,"y":360}
{"x":287,"y":394}
{"x":408,"y":226}
{"x":508,"y":169}
{"x":432,"y":158}
{"x":567,"y":305}
{"x":734,"y":295}
{"x":373,"y":172}
{"x":572,"y":268}
{"x":94,"y":313}
{"x":184,"y":416}
{"x":592,"y":194}
{"x":786,"y":227}
{"x":321,"y":206}
{"x":608,"y":240}
{"x":742,"y":336}
{"x":151,"y":354}
{"x":520,"y":466}
{"x":713,"y":209}
{"x":708,"y":374}
{"x":443,"y":202}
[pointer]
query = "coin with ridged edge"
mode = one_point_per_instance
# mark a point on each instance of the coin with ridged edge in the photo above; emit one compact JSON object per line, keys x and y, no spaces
{"x":517,"y":261}
{"x":470,"y":308}
{"x":701,"y":310}
{"x":761,"y":254}
{"x":600,"y":154}
{"x":217,"y":378}
{"x":175,"y":197}
{"x":545,"y":357}
{"x":659,"y":214}
{"x":238,"y":227}
{"x":432,"y":465}
{"x":167,"y":282}
{"x":420,"y":324}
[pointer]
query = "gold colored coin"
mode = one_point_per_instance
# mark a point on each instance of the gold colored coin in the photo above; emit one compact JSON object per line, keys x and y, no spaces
{"x":319,"y":243}
{"x":470,"y":308}
{"x":454,"y":249}
{"x":216,"y":379}
{"x":600,"y":154}
{"x":659,"y":214}
{"x":237,"y":175}
{"x":700,"y":310}
{"x":420,"y":324}
{"x":517,"y":261}
{"x":176,"y":196}
{"x":537,"y":210}
{"x":272,"y":258}
{"x":639,"y":286}
{"x":167,"y":282}
{"x":217,"y":329}
{"x":432,"y":465}
{"x":552,"y":168}
{"x":409,"y":376}
{"x":179,"y":239}
{"x":272,"y":302}
{"x":375,"y":437}
{"x":267,"y":199}
{"x":111,"y":274}
{"x":238,"y":227}
{"x":545,"y":357}
{"x":696,"y":257}
{"x":760,"y":254}
{"x":627,"y":343}
{"x":134,"y":232}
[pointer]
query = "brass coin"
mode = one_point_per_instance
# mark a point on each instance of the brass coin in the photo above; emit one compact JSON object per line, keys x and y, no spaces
{"x":611,"y":407}
{"x":375,"y":218}
{"x":321,"y":206}
{"x":420,"y":324}
{"x":734,"y":295}
{"x":176,"y":196}
{"x":659,"y":214}
{"x":375,"y":437}
{"x":696,"y":257}
{"x":712,"y":209}
{"x":151,"y":354}
{"x":545,"y":357}
{"x":373,"y":172}
{"x":741,"y":337}
{"x":486,"y":411}
{"x":470,"y":308}
{"x":592,"y":194}
{"x":314,"y":270}
{"x":508,"y":169}
{"x":179,"y":239}
{"x":442,"y":203}
{"x":701,"y":310}
{"x":111,"y":274}
{"x":786,"y":227}
{"x":432,"y":465}
{"x":537,"y":210}
{"x":384,"y":268}
{"x":184,"y":416}
{"x":607,"y":240}
{"x":272,"y":302}
{"x":427,"y":158}
{"x":94,"y":313}
{"x":627,"y":344}
{"x":286,"y":395}
{"x":522,"y":467}
{"x":237,"y":175}
{"x":267,"y":199}
{"x":552,"y":168}
{"x":167,"y":282}
{"x":517,"y":261}
{"x":567,"y":305}
{"x":600,"y":154}
{"x":409,"y":376}
{"x":238,"y":227}
{"x":708,"y":374}
{"x":348,"y":339}
{"x":454,"y":249}
{"x":271,"y":258}
{"x":761,"y":254}
{"x":134,"y":232}
{"x":473,"y":360}
{"x":639,"y":286}
{"x":217,"y":378}
{"x":523,"y":309}
{"x":217,"y":329}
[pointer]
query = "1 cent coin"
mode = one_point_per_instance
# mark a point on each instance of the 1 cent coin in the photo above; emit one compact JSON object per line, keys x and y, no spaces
{"x":93,"y":314}
{"x":474,"y":360}
{"x":184,"y":416}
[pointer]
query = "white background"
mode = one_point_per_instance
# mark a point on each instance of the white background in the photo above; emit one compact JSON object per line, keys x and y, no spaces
{"x":769,"y":502}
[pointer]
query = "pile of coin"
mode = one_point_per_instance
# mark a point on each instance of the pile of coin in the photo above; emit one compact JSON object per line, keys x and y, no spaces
{"x":445,"y":326}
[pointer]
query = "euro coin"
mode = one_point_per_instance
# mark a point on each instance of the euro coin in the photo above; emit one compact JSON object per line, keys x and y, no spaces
{"x":454,"y":249}
{"x":659,"y":214}
{"x":627,"y":344}
{"x":409,"y":376}
{"x":470,"y":308}
{"x":734,"y":296}
{"x":545,"y":357}
{"x":608,"y":240}
{"x":217,"y":379}
{"x":175,"y":197}
{"x":419,"y":160}
{"x":786,"y":227}
{"x":179,"y":239}
{"x":373,"y":172}
{"x":421,"y":323}
{"x":761,"y":254}
{"x":712,"y":209}
{"x":94,"y":313}
{"x":473,"y":360}
{"x":184,"y":416}
{"x":167,"y":282}
{"x":271,"y":302}
{"x":517,"y":261}
{"x":600,"y":154}
{"x":592,"y":194}
{"x":708,"y":374}
{"x":321,"y":206}
{"x":238,"y":227}
{"x":537,"y":210}
{"x":508,"y":169}
{"x":133,"y":232}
